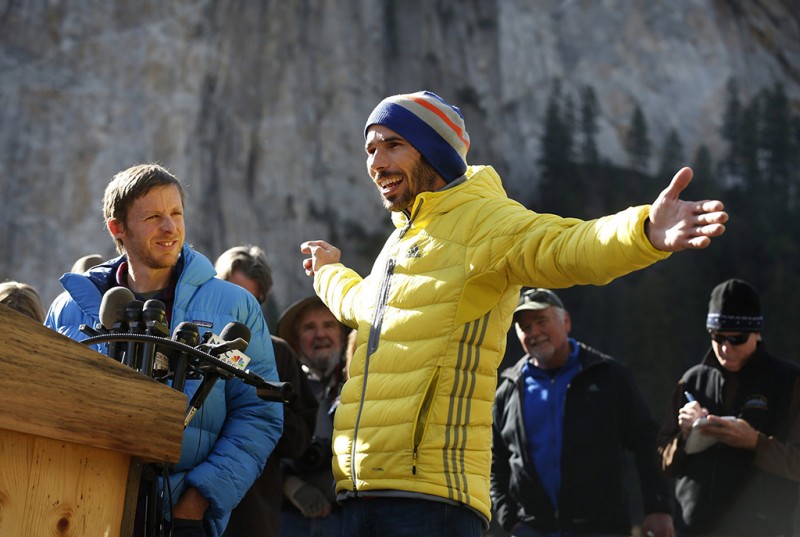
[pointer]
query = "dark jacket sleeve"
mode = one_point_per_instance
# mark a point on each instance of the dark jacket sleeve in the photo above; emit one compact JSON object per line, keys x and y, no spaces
{"x":670,"y":440}
{"x":783,"y":458}
{"x":300,"y":414}
{"x":503,"y":504}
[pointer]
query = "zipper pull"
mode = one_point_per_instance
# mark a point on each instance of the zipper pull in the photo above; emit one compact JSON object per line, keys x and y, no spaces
{"x":414,"y":463}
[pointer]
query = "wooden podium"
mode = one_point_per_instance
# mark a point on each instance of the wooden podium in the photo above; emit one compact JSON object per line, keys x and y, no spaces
{"x":75,"y":428}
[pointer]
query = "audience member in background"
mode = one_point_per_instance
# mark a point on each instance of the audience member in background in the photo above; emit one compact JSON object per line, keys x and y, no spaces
{"x":227,"y":443}
{"x":744,"y":481}
{"x":258,"y":514}
{"x":23,"y":298}
{"x":319,"y":340}
{"x":86,"y":262}
{"x":564,"y":417}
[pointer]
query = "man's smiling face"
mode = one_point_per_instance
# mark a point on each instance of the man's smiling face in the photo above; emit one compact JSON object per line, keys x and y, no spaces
{"x":153,"y":232}
{"x":398,"y":169}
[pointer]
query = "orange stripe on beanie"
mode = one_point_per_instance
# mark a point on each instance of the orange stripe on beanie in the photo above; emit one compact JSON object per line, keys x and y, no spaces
{"x":432,"y":126}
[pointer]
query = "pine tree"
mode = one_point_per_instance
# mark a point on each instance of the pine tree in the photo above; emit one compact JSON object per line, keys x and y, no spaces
{"x":776,"y":136}
{"x":560,"y":189}
{"x":559,"y":120}
{"x":637,"y":142}
{"x":672,"y":157}
{"x":551,"y":137}
{"x":705,"y":184}
{"x":568,"y":134}
{"x":749,"y":149}
{"x":731,"y":130}
{"x":590,"y":109}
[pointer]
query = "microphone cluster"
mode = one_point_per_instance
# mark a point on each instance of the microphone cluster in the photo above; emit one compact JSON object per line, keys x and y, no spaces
{"x":136,"y":334}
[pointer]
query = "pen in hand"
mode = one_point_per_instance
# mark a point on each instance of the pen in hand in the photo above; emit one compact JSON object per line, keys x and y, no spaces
{"x":689,"y":397}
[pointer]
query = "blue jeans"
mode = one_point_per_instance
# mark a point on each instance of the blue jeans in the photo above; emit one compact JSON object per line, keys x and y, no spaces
{"x":407,"y":517}
{"x":294,"y":524}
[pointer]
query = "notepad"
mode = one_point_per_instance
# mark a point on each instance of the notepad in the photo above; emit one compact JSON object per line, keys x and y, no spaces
{"x":698,"y":440}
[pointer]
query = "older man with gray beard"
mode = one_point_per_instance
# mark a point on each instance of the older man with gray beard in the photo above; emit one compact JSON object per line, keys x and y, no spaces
{"x":318,"y":339}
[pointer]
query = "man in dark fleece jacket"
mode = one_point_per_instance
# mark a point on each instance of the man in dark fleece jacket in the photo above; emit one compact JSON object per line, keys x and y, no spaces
{"x":564,"y":417}
{"x":742,"y":481}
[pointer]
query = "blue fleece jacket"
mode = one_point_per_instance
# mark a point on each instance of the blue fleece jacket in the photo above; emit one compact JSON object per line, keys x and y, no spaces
{"x":544,"y":417}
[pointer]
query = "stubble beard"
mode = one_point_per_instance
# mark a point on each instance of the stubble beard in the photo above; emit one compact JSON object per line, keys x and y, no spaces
{"x":422,"y":178}
{"x":145,"y":259}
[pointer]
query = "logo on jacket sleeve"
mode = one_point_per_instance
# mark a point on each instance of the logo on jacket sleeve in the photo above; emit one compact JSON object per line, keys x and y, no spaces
{"x":413,"y":252}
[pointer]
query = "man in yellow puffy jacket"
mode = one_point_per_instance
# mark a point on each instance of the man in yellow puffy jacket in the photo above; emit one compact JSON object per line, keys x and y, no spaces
{"x":412,"y":434}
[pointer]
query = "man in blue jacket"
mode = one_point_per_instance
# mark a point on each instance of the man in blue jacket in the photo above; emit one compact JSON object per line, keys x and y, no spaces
{"x":227,"y":443}
{"x":564,"y":416}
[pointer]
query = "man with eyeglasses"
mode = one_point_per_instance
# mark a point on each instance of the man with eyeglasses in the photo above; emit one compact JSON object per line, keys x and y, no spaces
{"x":744,"y":482}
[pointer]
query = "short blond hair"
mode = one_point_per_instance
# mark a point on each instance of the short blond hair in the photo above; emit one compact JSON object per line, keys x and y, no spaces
{"x":23,"y":298}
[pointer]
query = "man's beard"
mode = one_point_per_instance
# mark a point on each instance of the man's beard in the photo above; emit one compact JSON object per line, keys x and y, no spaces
{"x":322,"y":366}
{"x":422,"y":178}
{"x":142,"y":255}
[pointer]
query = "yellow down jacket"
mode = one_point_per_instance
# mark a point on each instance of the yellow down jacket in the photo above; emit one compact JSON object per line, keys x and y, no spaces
{"x":415,"y":417}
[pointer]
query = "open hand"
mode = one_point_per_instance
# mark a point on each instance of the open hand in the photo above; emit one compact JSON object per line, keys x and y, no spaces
{"x":676,"y":225}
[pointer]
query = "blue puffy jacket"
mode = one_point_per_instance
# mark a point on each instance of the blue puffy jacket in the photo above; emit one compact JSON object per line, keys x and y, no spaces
{"x":228,"y":441}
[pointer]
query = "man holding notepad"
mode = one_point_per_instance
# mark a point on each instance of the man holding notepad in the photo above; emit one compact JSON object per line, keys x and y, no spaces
{"x":733,"y":439}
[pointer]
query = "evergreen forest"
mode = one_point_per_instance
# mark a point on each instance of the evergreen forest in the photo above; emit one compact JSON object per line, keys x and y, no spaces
{"x":654,"y":320}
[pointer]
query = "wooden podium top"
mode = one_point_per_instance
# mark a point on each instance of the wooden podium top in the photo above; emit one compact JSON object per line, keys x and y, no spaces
{"x":54,"y":387}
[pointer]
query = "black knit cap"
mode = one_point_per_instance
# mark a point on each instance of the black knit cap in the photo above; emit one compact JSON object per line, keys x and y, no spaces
{"x":734,"y":307}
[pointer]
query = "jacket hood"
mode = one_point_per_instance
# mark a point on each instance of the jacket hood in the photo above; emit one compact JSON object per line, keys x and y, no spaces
{"x":87,"y":289}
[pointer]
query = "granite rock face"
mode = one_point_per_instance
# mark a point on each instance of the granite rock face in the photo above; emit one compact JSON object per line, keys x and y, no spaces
{"x":259,"y":106}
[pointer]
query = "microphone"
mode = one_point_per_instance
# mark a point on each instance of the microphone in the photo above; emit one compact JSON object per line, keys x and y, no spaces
{"x":199,"y":360}
{"x":188,"y":334}
{"x":230,"y":344}
{"x":112,"y":317}
{"x":235,"y":329}
{"x":232,"y":335}
{"x":154,"y":317}
{"x":133,"y":319}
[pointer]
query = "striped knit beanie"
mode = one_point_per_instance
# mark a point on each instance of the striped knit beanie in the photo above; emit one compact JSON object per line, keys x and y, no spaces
{"x":734,"y":307}
{"x":435,"y":129}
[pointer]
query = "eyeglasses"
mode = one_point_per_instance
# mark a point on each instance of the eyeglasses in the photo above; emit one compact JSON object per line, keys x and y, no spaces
{"x":737,"y":339}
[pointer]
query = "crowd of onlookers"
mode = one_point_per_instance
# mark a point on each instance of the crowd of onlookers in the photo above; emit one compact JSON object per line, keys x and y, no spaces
{"x":404,"y":427}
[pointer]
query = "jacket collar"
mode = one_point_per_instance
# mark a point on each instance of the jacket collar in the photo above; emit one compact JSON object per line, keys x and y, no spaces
{"x":87,"y":290}
{"x":478,"y":183}
{"x":587,"y":357}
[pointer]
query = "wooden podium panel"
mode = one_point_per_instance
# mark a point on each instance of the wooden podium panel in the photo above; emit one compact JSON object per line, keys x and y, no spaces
{"x":75,"y":426}
{"x":49,"y":488}
{"x":55,"y":387}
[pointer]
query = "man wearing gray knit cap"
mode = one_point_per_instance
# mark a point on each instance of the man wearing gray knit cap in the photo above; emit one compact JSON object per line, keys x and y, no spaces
{"x":412,"y":433}
{"x":733,"y":438}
